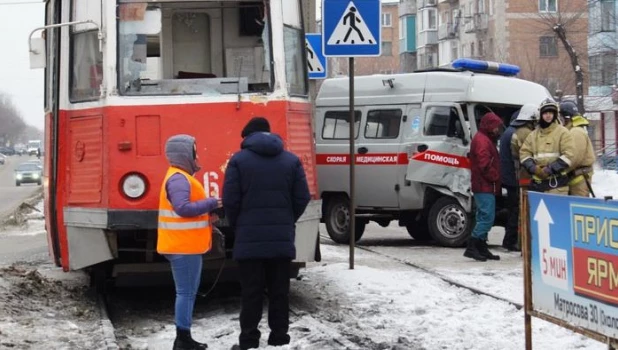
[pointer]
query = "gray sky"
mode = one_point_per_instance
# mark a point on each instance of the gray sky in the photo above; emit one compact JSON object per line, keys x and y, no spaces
{"x":23,"y":85}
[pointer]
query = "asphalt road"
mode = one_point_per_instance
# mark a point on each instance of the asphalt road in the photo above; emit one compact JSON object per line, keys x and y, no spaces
{"x":28,"y":243}
{"x":10,"y":195}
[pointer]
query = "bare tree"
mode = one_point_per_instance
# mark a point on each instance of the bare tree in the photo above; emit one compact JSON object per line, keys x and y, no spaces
{"x":568,"y":24}
{"x":12,"y":124}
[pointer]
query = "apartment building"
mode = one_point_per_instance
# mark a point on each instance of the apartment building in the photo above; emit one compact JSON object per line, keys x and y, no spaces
{"x":513,"y":31}
{"x":602,"y":48}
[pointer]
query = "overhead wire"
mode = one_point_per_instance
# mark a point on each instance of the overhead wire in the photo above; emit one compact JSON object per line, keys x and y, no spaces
{"x":7,"y":3}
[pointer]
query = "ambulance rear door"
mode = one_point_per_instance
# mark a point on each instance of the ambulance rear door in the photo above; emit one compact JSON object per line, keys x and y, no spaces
{"x":378,"y":158}
{"x":440,"y":155}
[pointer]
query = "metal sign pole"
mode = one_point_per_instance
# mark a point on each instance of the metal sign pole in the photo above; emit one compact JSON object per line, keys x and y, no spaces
{"x":352,"y":163}
{"x":525,"y":248}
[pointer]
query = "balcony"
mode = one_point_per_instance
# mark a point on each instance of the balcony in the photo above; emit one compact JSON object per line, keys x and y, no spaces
{"x":476,"y":23}
{"x":447,"y":31}
{"x":427,"y":3}
{"x":427,"y":37}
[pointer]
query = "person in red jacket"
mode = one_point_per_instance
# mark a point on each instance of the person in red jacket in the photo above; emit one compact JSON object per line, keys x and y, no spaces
{"x":485,"y":164}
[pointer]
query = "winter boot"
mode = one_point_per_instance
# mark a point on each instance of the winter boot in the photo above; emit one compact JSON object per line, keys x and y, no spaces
{"x":184,"y":341}
{"x":484,"y":250}
{"x":472,"y":250}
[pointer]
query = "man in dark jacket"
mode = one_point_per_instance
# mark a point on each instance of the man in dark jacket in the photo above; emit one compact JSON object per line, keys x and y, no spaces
{"x":508,"y":177}
{"x":264,"y":194}
{"x":485,"y":163}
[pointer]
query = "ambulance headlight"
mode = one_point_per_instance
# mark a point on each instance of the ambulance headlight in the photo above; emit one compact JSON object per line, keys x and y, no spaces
{"x":485,"y":66}
{"x":133,"y":186}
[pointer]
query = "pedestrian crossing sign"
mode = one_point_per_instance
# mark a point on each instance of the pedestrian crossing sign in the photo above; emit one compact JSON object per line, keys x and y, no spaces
{"x":351,"y":28}
{"x":316,"y":62}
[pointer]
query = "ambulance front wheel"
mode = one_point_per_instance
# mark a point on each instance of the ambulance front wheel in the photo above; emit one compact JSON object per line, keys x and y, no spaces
{"x":337,"y":220}
{"x":449,"y":224}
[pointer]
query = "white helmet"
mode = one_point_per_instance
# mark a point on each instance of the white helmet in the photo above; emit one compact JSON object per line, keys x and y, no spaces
{"x":528,"y":113}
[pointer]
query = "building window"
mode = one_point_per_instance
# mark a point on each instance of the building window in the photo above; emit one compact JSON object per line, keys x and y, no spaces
{"x":603,"y":69}
{"x":480,"y":6}
{"x":548,"y":46}
{"x":387,"y":48}
{"x":387,"y":20}
{"x":608,"y":16}
{"x":472,"y":49}
{"x":429,"y":19}
{"x":402,"y":28}
{"x":548,"y":5}
{"x":481,"y":49}
{"x":454,"y":52}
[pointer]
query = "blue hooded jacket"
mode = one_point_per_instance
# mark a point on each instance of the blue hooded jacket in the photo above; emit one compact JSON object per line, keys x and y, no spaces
{"x":508,"y":175}
{"x":264,"y":194}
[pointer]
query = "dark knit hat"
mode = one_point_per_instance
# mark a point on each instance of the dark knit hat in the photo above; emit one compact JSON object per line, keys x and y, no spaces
{"x":256,"y":124}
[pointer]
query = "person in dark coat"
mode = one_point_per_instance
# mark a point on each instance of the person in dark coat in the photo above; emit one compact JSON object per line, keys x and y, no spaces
{"x":264,"y":193}
{"x":508,"y":177}
{"x":485,"y":164}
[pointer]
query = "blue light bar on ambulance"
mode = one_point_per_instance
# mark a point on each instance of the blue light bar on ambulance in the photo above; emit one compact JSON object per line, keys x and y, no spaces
{"x":485,"y":66}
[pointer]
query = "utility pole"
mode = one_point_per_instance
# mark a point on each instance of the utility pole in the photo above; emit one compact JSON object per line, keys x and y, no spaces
{"x":309,"y":7}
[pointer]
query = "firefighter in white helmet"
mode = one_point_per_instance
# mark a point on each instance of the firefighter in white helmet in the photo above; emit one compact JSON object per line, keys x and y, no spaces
{"x":548,"y":152}
{"x":524,"y":124}
{"x":513,"y":176}
{"x":580,"y":172}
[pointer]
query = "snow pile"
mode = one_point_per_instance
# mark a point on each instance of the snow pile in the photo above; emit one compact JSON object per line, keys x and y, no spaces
{"x":605,"y":183}
{"x":26,"y":221}
{"x":41,"y":312}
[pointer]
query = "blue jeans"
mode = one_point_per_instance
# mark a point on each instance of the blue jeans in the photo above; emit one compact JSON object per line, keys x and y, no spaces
{"x":187,"y":272}
{"x":485,"y":214}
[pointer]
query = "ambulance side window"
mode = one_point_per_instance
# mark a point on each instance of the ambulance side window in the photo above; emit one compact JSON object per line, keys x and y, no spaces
{"x":443,"y":121}
{"x":337,"y":127}
{"x":383,"y":124}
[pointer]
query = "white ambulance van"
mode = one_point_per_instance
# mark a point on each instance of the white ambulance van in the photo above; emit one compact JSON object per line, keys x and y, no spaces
{"x":413,"y":132}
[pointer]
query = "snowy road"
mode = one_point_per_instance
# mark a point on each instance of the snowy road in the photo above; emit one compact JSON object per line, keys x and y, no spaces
{"x":10,"y":195}
{"x":384,"y":303}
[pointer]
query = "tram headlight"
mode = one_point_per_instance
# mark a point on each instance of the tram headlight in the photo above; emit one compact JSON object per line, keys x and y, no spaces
{"x":133,"y":186}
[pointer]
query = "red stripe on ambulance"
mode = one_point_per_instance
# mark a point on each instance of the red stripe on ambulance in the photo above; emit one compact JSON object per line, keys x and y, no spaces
{"x":442,"y":159}
{"x":363,"y":159}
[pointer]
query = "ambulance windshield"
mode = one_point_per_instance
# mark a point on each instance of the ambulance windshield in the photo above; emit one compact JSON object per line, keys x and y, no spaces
{"x":193,"y":48}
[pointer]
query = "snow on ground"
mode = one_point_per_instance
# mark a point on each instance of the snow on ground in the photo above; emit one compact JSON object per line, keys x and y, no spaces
{"x":605,"y":183}
{"x":394,"y":306}
{"x":381,"y":303}
{"x":40,"y":309}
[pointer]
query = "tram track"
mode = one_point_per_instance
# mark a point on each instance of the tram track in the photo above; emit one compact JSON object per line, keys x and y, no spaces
{"x":444,"y":278}
{"x":107,"y":328}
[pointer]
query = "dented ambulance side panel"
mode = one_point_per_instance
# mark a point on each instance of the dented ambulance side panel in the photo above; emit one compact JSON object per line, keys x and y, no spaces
{"x":439,"y":157}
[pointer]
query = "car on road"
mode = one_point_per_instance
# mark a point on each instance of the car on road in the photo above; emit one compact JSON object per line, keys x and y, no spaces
{"x":2,"y":159}
{"x":7,"y":151}
{"x":36,"y":162}
{"x":28,"y":173}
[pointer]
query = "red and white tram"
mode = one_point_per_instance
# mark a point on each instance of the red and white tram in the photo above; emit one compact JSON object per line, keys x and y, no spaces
{"x":124,"y":75}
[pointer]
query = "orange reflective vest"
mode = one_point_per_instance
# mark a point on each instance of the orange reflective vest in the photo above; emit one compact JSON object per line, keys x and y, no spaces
{"x":180,"y":235}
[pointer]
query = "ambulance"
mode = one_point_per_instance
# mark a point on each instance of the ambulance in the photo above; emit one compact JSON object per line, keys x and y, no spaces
{"x":412,"y":138}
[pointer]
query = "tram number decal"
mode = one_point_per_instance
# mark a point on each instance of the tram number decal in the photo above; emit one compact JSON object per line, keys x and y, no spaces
{"x":211,"y":186}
